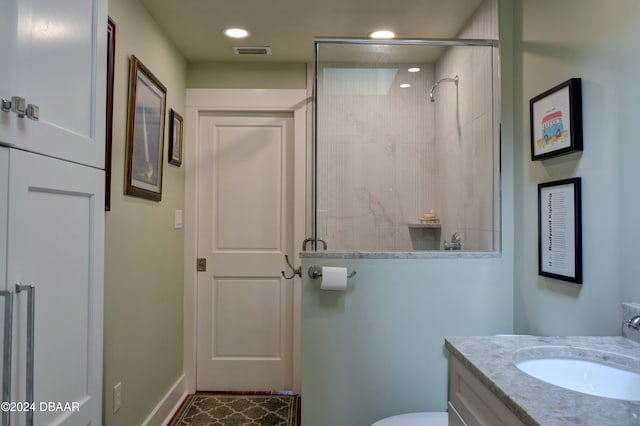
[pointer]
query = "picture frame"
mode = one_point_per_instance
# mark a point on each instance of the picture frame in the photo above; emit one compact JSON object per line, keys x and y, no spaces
{"x":556,"y":120}
{"x":145,"y":132}
{"x":175,"y":138}
{"x":560,"y":230}
{"x":111,"y":50}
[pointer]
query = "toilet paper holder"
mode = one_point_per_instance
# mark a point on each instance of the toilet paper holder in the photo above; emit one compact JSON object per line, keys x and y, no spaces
{"x":315,"y":272}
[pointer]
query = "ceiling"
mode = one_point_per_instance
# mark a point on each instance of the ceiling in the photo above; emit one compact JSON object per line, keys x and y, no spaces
{"x":288,"y":27}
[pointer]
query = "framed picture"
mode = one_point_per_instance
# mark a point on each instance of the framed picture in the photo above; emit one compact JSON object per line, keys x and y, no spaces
{"x":560,"y":230}
{"x":556,"y":120}
{"x":175,"y":138}
{"x":145,"y":132}
{"x":111,"y":50}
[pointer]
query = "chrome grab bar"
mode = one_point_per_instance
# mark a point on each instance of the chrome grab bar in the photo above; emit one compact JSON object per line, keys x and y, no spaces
{"x":6,"y":355}
{"x":31,"y":309}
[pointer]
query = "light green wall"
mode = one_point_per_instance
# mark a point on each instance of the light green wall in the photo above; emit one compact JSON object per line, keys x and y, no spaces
{"x":247,"y":75}
{"x":143,"y":339}
{"x":378,"y":349}
{"x":597,"y":41}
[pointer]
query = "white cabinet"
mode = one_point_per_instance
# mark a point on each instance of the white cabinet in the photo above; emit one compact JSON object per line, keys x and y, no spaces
{"x":55,"y":244}
{"x":471,"y":403}
{"x":54,"y":57}
{"x":52,"y":209}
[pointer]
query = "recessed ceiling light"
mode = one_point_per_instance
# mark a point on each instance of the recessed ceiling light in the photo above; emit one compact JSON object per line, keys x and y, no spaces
{"x":405,"y":85}
{"x":382,"y":34}
{"x":413,"y":69}
{"x":236,"y":33}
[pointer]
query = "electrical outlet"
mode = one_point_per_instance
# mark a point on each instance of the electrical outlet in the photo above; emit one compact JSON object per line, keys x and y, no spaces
{"x":117,"y":397}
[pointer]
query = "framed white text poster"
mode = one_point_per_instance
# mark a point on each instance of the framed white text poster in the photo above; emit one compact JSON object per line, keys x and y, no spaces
{"x":560,"y":230}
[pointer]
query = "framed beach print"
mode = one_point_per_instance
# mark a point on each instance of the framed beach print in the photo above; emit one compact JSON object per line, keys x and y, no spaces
{"x":560,"y":230}
{"x":175,"y":138}
{"x":145,"y":132}
{"x":556,"y":120}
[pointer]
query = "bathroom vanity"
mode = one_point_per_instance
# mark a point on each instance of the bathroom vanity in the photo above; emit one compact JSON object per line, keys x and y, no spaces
{"x":487,"y":388}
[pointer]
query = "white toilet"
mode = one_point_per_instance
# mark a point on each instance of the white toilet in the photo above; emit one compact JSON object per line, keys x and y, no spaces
{"x":415,"y":419}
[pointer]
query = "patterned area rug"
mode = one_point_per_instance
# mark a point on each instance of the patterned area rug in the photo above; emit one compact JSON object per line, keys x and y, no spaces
{"x":238,"y":410}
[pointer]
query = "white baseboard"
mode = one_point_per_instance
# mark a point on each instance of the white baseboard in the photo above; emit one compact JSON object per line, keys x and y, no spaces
{"x":167,"y":407}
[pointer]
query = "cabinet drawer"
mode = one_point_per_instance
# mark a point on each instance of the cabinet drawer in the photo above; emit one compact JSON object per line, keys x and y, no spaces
{"x":454,"y":417}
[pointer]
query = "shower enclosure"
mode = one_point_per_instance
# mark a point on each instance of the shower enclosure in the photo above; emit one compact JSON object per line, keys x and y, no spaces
{"x":406,"y":145}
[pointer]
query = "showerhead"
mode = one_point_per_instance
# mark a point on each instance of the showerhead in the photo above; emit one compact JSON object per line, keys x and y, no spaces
{"x":442,"y":80}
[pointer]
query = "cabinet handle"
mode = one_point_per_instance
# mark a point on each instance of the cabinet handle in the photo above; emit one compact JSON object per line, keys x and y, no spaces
{"x":31,"y":308}
{"x":18,"y":105}
{"x":33,"y":112}
{"x":6,"y":356}
{"x":5,"y":105}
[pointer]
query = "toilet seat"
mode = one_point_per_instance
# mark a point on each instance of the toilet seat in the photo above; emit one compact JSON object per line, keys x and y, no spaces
{"x":415,"y":419}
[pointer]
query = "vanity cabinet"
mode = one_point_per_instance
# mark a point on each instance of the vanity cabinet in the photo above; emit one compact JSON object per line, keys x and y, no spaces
{"x":471,"y":403}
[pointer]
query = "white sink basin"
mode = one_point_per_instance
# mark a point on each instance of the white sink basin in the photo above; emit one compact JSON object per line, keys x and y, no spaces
{"x":592,"y":372}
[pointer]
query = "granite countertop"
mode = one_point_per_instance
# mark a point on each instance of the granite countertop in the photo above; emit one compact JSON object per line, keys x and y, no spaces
{"x":535,"y":402}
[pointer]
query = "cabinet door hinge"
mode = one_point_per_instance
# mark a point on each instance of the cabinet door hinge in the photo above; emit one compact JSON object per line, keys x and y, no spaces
{"x":201,"y":265}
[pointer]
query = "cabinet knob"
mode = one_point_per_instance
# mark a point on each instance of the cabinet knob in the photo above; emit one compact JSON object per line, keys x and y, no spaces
{"x":18,"y":105}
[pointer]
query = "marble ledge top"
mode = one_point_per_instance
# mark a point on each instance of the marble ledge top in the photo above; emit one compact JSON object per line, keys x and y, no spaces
{"x":449,"y":254}
{"x":533,"y":401}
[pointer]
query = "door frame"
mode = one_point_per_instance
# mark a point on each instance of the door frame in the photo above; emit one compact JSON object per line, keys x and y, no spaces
{"x":199,"y":101}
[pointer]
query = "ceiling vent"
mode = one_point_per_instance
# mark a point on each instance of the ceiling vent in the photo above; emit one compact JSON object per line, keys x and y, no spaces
{"x":252,"y":50}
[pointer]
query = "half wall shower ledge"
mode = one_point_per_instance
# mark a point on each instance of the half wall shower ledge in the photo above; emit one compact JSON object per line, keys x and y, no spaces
{"x":384,"y":155}
{"x":400,"y":255}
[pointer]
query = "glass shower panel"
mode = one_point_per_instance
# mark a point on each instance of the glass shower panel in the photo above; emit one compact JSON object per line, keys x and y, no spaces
{"x":405,"y":145}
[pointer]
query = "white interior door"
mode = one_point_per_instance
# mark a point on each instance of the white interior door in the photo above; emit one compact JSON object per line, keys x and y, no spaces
{"x":245,"y":227}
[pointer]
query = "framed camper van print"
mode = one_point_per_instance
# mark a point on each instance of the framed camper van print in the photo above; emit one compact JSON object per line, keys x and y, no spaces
{"x":560,"y":230}
{"x":556,"y":120}
{"x":145,"y":132}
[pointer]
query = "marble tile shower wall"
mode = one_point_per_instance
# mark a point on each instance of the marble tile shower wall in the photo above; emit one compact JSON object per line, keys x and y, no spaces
{"x":466,"y":122}
{"x":464,"y":146}
{"x":376,"y":168}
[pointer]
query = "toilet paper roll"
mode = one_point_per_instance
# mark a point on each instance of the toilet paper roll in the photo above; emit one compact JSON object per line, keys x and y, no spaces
{"x":333,"y":278}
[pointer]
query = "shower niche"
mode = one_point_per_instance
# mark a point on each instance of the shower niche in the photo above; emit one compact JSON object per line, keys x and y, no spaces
{"x":406,"y":145}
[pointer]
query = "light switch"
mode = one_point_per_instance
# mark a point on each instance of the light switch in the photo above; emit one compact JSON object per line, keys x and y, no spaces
{"x":177,"y":219}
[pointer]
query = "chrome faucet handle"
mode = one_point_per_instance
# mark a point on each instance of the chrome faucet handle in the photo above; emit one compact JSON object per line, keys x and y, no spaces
{"x":634,"y":322}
